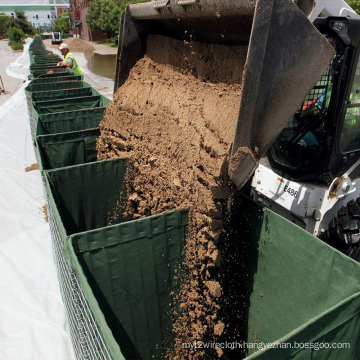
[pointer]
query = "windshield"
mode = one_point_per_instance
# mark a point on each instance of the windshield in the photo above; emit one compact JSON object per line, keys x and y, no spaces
{"x":350,"y":133}
{"x":301,"y":140}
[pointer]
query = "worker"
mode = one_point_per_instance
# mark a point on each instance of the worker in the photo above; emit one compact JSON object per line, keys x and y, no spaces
{"x":307,"y":145}
{"x":69,"y":60}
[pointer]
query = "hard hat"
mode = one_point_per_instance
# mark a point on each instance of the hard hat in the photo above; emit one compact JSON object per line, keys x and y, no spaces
{"x":63,"y":46}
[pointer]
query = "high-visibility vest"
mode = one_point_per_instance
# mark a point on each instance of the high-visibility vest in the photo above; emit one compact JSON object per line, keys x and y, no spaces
{"x":76,"y":68}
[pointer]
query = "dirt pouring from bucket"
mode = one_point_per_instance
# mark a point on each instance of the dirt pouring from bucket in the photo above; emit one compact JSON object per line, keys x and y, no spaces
{"x":175,"y":118}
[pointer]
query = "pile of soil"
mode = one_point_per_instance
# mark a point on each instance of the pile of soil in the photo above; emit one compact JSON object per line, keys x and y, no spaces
{"x":78,"y":45}
{"x":175,"y":117}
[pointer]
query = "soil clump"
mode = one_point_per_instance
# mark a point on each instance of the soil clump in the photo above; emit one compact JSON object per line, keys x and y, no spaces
{"x":31,"y":167}
{"x":175,"y":118}
{"x":45,"y":212}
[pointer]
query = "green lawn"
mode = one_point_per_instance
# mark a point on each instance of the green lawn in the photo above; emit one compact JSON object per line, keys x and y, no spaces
{"x":110,"y":42}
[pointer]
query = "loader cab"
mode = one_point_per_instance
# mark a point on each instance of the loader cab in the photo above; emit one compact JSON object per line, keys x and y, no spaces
{"x":322,"y":140}
{"x":56,"y":38}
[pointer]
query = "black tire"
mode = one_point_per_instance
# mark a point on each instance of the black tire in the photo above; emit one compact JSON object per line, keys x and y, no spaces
{"x":343,"y":232}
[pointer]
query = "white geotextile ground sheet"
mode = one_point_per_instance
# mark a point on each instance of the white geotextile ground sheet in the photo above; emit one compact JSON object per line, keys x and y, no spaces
{"x":32,"y":316}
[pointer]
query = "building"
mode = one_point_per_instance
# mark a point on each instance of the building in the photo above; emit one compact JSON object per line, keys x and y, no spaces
{"x":86,"y":33}
{"x":76,"y":23}
{"x":41,"y":13}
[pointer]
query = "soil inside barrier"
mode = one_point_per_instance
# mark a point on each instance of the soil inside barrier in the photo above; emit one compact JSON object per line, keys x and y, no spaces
{"x":175,"y":117}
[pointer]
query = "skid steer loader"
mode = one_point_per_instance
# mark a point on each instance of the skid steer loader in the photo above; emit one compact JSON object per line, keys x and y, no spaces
{"x":288,"y":60}
{"x":311,"y":172}
{"x":56,"y":38}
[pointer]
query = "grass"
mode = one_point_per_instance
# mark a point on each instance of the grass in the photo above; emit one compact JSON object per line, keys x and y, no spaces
{"x":113,"y":42}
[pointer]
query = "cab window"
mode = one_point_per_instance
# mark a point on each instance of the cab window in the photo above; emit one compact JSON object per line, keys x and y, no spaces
{"x":350,"y":133}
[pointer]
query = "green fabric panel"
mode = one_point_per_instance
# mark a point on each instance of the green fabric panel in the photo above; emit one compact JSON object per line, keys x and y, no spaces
{"x":43,"y":66}
{"x":57,"y":75}
{"x":44,"y":87}
{"x":293,"y":278}
{"x":111,"y":344}
{"x":84,"y":102}
{"x":338,"y":326}
{"x":54,"y":210}
{"x":41,"y":52}
{"x":67,"y":149}
{"x":38,"y":55}
{"x":127,"y":272}
{"x":37,"y":41}
{"x":54,"y":72}
{"x":64,"y":93}
{"x":41,"y":61}
{"x":54,"y":79}
{"x":90,"y":196}
{"x":69,"y":121}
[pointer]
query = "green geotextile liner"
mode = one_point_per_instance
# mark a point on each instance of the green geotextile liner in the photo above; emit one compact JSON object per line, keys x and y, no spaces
{"x":88,"y":196}
{"x":61,"y":150}
{"x":40,"y":54}
{"x":44,"y":87}
{"x":86,"y":90}
{"x":54,"y":78}
{"x":36,"y":46}
{"x":50,"y":72}
{"x":81,"y":102}
{"x":127,"y":273}
{"x":51,"y":65}
{"x":69,"y":121}
{"x":299,"y":288}
{"x":43,"y":52}
{"x":34,"y":59}
{"x":37,"y":60}
{"x":58,"y":76}
{"x":37,"y":41}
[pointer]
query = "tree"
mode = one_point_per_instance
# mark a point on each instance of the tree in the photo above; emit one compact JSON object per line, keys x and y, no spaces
{"x":20,"y":21}
{"x":15,"y":34}
{"x":62,"y":24}
{"x":98,"y":16}
{"x":104,"y":15}
{"x":20,"y":15}
{"x":93,"y":14}
{"x":114,"y":19}
{"x":355,"y":4}
{"x":4,"y":20}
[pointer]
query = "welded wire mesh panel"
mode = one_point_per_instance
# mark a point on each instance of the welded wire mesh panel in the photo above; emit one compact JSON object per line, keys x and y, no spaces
{"x":86,"y":337}
{"x":87,"y":340}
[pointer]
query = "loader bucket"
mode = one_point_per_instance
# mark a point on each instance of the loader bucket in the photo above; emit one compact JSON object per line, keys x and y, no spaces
{"x":285,"y":57}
